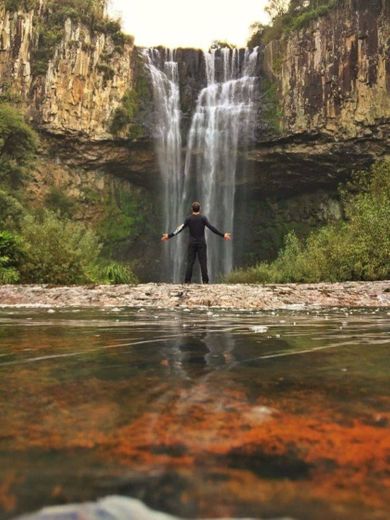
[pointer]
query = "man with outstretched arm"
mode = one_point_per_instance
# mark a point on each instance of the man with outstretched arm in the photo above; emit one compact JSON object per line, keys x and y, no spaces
{"x":197,"y":243}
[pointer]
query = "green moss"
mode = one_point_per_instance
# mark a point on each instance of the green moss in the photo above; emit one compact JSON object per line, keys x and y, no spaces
{"x":18,"y":144}
{"x":272,"y":113}
{"x":128,"y":118}
{"x":123,"y":218}
{"x":107,"y":72}
{"x":9,"y":95}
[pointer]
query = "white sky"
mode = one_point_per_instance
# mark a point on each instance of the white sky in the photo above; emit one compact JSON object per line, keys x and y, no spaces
{"x":188,"y":23}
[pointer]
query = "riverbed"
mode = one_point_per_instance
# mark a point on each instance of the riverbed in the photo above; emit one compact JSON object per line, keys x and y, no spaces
{"x":196,"y":296}
{"x":196,"y":413}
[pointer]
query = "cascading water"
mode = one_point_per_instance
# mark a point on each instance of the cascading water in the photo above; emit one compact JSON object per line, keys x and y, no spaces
{"x":163,"y":68}
{"x":222,"y":122}
{"x":221,"y":125}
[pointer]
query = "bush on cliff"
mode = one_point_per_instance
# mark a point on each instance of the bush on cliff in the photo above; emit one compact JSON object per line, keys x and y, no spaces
{"x":355,"y":249}
{"x":288,"y":16}
{"x":51,"y":29}
{"x":18,"y":144}
{"x":24,"y":5}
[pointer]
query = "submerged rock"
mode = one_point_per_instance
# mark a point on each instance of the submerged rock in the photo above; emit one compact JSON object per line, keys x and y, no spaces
{"x":109,"y":508}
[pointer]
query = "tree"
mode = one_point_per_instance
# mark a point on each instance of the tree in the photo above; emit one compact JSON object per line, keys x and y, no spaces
{"x":277,"y":8}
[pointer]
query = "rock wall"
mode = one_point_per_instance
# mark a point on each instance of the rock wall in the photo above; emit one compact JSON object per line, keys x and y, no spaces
{"x":334,"y":74}
{"x":85,"y":81}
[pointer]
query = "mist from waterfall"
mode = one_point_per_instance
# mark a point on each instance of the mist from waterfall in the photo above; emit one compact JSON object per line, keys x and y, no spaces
{"x":221,"y":126}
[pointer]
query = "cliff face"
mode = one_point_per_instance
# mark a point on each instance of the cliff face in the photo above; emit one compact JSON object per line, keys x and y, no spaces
{"x":85,"y":80}
{"x":334,"y":74}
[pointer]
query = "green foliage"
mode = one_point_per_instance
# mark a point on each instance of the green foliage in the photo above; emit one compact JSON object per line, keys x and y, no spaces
{"x":52,"y":249}
{"x":256,"y":34}
{"x":9,"y":95}
{"x":18,"y":143}
{"x":123,"y":218}
{"x":11,"y":210}
{"x":56,"y":200}
{"x":51,"y":30}
{"x":114,"y":273}
{"x":11,"y":255}
{"x":357,"y":249}
{"x":272,"y":113}
{"x":57,"y":251}
{"x":222,"y":44}
{"x":125,"y":114}
{"x":21,"y":5}
{"x":107,"y":72}
{"x":290,"y":16}
{"x":128,"y":117}
{"x":11,"y":248}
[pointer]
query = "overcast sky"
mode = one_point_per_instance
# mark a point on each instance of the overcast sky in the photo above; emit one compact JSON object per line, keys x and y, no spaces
{"x":183,"y":23}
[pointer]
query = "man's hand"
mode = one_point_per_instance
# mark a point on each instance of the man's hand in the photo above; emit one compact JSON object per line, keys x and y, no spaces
{"x":164,"y":237}
{"x":227,"y":236}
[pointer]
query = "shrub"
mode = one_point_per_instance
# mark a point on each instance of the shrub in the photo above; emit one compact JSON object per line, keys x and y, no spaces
{"x":299,"y":14}
{"x":11,"y":210}
{"x":24,"y":5}
{"x":124,"y":115}
{"x":58,"y":251}
{"x":114,"y":273}
{"x":11,"y":256}
{"x":58,"y":201}
{"x":18,"y":143}
{"x":357,"y":249}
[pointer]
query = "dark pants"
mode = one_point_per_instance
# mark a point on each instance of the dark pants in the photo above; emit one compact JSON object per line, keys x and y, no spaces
{"x":200,"y":249}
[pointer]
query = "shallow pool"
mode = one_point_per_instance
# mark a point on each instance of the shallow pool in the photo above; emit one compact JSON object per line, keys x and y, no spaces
{"x":197,"y":414}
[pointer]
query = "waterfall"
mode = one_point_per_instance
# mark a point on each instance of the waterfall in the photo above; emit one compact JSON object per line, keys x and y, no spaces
{"x":163,"y":69}
{"x":221,"y":125}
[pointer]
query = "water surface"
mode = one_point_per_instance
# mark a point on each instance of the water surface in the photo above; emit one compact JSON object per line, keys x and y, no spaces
{"x":198,"y":414}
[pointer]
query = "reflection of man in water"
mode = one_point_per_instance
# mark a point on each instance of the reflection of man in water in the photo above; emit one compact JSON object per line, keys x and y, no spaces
{"x":189,"y":354}
{"x":197,"y":245}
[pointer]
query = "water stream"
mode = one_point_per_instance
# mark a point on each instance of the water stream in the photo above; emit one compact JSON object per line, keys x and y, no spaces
{"x":198,"y":414}
{"x":163,"y":69}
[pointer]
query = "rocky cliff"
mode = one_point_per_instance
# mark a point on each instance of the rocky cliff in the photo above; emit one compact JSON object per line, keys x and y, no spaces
{"x":331,"y":98}
{"x":325,"y":113}
{"x":84,"y":80}
{"x":334,"y":74}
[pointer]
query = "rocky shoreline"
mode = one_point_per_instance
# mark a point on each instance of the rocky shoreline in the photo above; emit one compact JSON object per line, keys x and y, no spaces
{"x":223,"y":296}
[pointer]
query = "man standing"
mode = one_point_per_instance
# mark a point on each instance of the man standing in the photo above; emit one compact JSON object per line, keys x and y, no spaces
{"x":197,"y":244}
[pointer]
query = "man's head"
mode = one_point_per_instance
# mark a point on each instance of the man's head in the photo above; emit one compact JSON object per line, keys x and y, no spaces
{"x":195,"y":207}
